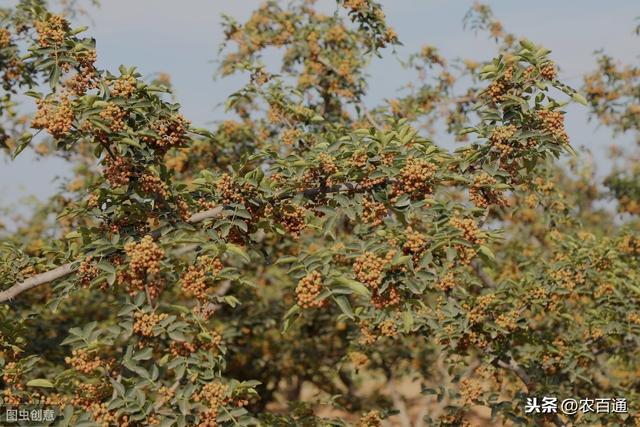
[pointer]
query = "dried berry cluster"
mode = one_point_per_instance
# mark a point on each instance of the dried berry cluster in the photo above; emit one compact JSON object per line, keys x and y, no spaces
{"x":327,"y":164}
{"x":85,"y":77}
{"x":483,"y":194}
{"x":145,"y":256}
{"x":549,"y":71}
{"x":213,"y":396}
{"x":373,"y":212}
{"x":471,"y":233}
{"x":290,"y":136}
{"x":359,"y":159}
{"x":104,"y":417}
{"x":52,"y":31}
{"x":145,"y":322}
{"x":469,"y":228}
{"x":415,"y":244}
{"x":292,"y":218}
{"x":479,"y":312}
{"x":359,"y":360}
{"x":553,"y":121}
{"x":388,"y":328}
{"x":370,"y":419}
{"x":114,"y":115}
{"x":194,"y":282}
{"x":369,"y":269}
{"x":568,"y":278}
{"x":124,"y":86}
{"x":10,"y":374}
{"x":82,"y":361}
{"x":500,"y":139}
{"x":415,"y":178}
{"x":55,"y":117}
{"x":171,"y":132}
{"x":87,"y":271}
{"x":630,"y":245}
{"x":308,"y":290}
{"x":447,"y":282}
{"x":118,"y":171}
{"x":85,"y":395}
{"x":228,"y":191}
{"x":144,"y":263}
{"x":387,"y":298}
{"x":152,"y":184}
{"x":5,"y":38}
{"x":367,"y":335}
{"x":471,"y":390}
{"x":509,"y":320}
{"x":496,"y":91}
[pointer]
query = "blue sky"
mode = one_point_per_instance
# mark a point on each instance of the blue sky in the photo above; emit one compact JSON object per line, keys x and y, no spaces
{"x":181,"y":38}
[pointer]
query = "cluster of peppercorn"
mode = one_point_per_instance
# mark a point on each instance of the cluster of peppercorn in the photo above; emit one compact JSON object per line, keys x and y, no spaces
{"x":87,"y":271}
{"x":553,"y":122}
{"x":196,"y":281}
{"x":415,"y":179}
{"x":370,"y":419}
{"x":146,"y":322}
{"x":373,"y":212}
{"x":483,"y":193}
{"x":308,"y":290}
{"x":152,"y":184}
{"x":114,"y":116}
{"x":118,"y":171}
{"x":415,"y":244}
{"x":213,"y":395}
{"x":144,"y":265}
{"x":471,"y":233}
{"x":171,"y":132}
{"x":83,"y":361}
{"x":52,"y":30}
{"x":56,"y":116}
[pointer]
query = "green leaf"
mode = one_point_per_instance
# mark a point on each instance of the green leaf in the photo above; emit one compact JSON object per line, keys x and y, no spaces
{"x":579,"y":98}
{"x":72,"y":235}
{"x":107,"y":267}
{"x":407,"y":318}
{"x":40,"y":382}
{"x":237,"y":250}
{"x":344,"y":305}
{"x":144,"y":354}
{"x":354,"y":285}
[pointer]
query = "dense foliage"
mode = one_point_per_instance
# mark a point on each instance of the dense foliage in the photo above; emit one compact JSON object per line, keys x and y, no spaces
{"x":311,"y":261}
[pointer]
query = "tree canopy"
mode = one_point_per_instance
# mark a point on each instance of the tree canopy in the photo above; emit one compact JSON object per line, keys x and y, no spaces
{"x":314,"y":261}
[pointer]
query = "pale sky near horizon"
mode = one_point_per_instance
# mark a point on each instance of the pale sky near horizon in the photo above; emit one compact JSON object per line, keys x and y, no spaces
{"x":182,"y":38}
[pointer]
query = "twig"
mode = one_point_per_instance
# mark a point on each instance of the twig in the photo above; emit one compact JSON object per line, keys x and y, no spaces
{"x":369,"y":117}
{"x":484,"y":277}
{"x":529,"y":384}
{"x":520,"y":373}
{"x":398,"y":403}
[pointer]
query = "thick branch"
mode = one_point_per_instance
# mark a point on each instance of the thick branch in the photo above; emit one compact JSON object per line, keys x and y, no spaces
{"x":517,"y":369}
{"x":209,"y":213}
{"x":37,"y":280}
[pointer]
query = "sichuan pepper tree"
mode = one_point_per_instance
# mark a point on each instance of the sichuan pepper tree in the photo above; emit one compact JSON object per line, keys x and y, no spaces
{"x":298,"y":262}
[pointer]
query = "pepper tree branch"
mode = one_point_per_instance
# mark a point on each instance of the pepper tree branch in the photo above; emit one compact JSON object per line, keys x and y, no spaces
{"x":68,"y":268}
